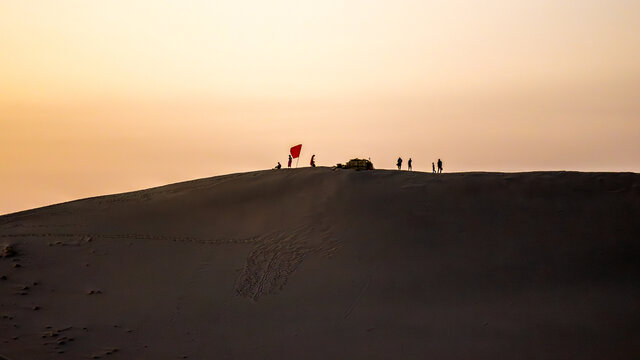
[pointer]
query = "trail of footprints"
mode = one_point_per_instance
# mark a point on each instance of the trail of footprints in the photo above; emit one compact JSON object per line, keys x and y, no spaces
{"x":88,"y":238}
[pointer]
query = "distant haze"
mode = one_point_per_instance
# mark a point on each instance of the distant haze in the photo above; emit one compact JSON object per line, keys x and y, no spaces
{"x":103,"y":97}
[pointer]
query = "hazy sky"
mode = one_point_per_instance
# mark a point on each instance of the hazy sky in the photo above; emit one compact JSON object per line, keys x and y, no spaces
{"x":107,"y":96}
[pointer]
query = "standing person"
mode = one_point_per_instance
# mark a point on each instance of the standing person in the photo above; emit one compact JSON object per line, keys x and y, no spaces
{"x":439,"y":166}
{"x":399,"y":163}
{"x":313,"y":161}
{"x":409,"y":164}
{"x":433,"y":167}
{"x":290,"y":159}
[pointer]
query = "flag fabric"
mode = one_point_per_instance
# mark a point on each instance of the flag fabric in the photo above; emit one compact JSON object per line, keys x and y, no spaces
{"x":295,"y":151}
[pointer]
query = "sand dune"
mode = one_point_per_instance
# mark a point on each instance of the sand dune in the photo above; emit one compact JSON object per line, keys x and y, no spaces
{"x":315,"y":263}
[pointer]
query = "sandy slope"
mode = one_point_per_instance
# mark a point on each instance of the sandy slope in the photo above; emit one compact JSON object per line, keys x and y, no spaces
{"x":315,"y":263}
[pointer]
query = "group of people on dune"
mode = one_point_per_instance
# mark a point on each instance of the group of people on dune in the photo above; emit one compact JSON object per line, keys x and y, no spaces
{"x":312,"y":162}
{"x":399,"y":164}
{"x":410,"y":165}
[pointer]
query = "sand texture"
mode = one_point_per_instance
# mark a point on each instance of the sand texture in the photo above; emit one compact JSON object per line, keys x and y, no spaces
{"x":321,"y":264}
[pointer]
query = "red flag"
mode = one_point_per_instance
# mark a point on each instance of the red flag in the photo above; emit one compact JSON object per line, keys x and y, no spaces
{"x":295,"y":151}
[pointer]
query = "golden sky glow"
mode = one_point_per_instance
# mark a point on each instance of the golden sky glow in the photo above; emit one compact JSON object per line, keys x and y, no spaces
{"x":108,"y":96}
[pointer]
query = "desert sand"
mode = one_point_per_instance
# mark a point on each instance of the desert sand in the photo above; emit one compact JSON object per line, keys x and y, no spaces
{"x":320,"y":263}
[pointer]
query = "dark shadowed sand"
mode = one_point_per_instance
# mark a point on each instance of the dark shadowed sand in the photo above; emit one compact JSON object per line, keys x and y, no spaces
{"x":315,"y":263}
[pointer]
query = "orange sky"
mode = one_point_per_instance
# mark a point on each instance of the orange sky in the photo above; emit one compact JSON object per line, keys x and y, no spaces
{"x":103,"y":97}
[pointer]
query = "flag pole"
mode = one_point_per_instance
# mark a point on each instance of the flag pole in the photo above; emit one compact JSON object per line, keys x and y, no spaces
{"x":297,"y":160}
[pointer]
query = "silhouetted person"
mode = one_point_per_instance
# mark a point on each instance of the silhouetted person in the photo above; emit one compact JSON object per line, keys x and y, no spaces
{"x":399,"y":163}
{"x":278,"y":166}
{"x":439,"y":166}
{"x":433,"y":167}
{"x":290,"y":159}
{"x":313,"y":161}
{"x":409,"y":164}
